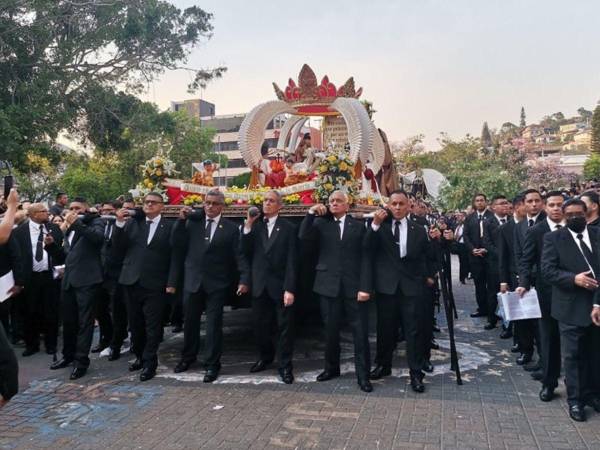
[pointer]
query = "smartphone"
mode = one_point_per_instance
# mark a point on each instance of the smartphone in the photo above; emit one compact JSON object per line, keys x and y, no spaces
{"x":9,"y":182}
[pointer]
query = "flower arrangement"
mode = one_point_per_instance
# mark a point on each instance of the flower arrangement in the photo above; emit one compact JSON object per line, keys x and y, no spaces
{"x":291,"y":199}
{"x":336,"y":172}
{"x":154,"y":172}
{"x":193,"y":199}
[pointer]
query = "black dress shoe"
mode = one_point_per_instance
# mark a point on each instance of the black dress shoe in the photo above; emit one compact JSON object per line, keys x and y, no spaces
{"x":30,"y":351}
{"x":428,"y":367}
{"x":477,"y":314}
{"x":182,"y":366}
{"x":114,"y":354}
{"x":506,"y":334}
{"x":577,"y":413}
{"x":78,"y":372}
{"x":210,"y":375}
{"x":286,"y":376}
{"x":98,"y":348}
{"x":532,"y":367}
{"x":515,"y":349}
{"x":433,"y":345}
{"x":136,"y":365}
{"x":328,"y":375}
{"x":489,"y":326}
{"x":260,"y":365}
{"x":147,"y":374}
{"x":538,"y":375}
{"x":380,"y":372}
{"x":594,"y":403}
{"x":177,"y":329}
{"x":365,"y":386}
{"x":546,"y":394}
{"x":417,"y":384}
{"x":50,"y":350}
{"x":523,"y":359}
{"x":61,"y":364}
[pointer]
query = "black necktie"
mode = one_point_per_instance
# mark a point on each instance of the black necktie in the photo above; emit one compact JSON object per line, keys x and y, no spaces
{"x":209,"y":223}
{"x":558,"y":226}
{"x":397,"y":231}
{"x":147,"y":231}
{"x":531,"y":222}
{"x":585,"y":249}
{"x":339,"y":224}
{"x":502,"y":221}
{"x":39,"y":247}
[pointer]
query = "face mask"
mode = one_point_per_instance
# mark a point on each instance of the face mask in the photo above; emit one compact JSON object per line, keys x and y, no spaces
{"x":576,"y":224}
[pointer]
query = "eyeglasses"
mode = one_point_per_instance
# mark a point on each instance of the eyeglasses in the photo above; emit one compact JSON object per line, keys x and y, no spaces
{"x":209,"y":203}
{"x":152,"y":202}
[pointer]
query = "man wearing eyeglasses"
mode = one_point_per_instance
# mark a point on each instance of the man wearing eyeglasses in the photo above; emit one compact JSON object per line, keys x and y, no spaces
{"x":148,"y":274}
{"x":208,"y":247}
{"x":570,"y":263}
{"x":80,"y":252}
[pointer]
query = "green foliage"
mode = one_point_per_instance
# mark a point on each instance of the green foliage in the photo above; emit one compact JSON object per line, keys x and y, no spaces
{"x":596,"y":130}
{"x":522,"y":121}
{"x":241,"y":180}
{"x":61,"y":58}
{"x":591,"y":167}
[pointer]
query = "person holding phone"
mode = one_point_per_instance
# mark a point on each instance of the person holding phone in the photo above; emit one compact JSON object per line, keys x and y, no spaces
{"x":208,"y":250}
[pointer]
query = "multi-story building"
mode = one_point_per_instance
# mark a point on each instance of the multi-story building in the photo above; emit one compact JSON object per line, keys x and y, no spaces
{"x":195,"y":107}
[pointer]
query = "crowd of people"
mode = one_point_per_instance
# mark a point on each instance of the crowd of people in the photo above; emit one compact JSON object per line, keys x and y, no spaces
{"x":132,"y":270}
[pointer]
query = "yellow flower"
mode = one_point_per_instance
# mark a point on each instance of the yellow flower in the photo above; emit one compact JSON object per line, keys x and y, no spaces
{"x":328,"y":186}
{"x":343,"y":166}
{"x":322,"y":168}
{"x":158,"y":173}
{"x":150,"y":184}
{"x":228,"y":201}
{"x":331,"y":158}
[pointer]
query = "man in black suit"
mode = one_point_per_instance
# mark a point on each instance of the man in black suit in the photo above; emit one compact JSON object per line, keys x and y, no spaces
{"x":527,"y":330}
{"x":148,"y":274}
{"x":507,"y":263}
{"x":80,"y":253}
{"x":592,"y":203}
{"x":400,"y":250}
{"x":530,"y":269}
{"x":570,"y":263}
{"x":460,"y":248}
{"x":343,"y":281}
{"x":208,"y":247}
{"x":112,"y":293}
{"x":270,"y":245}
{"x":491,"y":241}
{"x":40,"y":300}
{"x":473,"y":234}
{"x":60,"y":204}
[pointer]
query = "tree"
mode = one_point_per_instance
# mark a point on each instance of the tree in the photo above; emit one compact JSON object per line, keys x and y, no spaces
{"x":546,"y":172}
{"x":522,"y":122}
{"x":596,"y":130}
{"x":486,"y":138}
{"x":241,"y":180}
{"x":584,"y":113}
{"x":57,"y":54}
{"x":591,"y":167}
{"x":39,"y":177}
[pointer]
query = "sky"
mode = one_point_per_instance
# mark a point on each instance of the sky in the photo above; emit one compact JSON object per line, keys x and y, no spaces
{"x":428,"y":66}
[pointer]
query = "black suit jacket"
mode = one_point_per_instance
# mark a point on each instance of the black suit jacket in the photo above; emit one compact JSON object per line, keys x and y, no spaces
{"x":343,"y":266}
{"x":83,"y":266}
{"x":273,"y":260}
{"x":211,"y":265}
{"x":491,"y":242}
{"x":151,"y":265}
{"x":561,"y":261}
{"x":22,"y":238}
{"x":530,"y":271}
{"x":391,"y":271}
{"x":471,"y":231}
{"x":112,"y":258}
{"x":507,"y":263}
{"x":520,"y":230}
{"x":11,"y":258}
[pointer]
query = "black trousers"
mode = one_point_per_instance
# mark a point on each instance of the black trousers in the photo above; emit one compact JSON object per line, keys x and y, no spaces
{"x":527,"y":332}
{"x":549,"y":349}
{"x":479,"y":273}
{"x":145,"y":310}
{"x":212,"y":304}
{"x":357,"y":315}
{"x":78,"y":306}
{"x":103,"y":316}
{"x":412,"y":316}
{"x":581,"y":360}
{"x":463,"y":260}
{"x":9,"y":368}
{"x":492,"y":286}
{"x":115,"y":293}
{"x":40,"y":311}
{"x":268,"y":314}
{"x":176,"y":313}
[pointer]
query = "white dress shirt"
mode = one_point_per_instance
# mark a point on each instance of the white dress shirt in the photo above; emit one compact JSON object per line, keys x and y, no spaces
{"x":403,"y":233}
{"x":586,"y":240}
{"x":342,"y":221}
{"x":153,"y":226}
{"x":214,"y":225}
{"x":458,"y":233}
{"x":269,"y":222}
{"x":34,"y":233}
{"x":553,"y":224}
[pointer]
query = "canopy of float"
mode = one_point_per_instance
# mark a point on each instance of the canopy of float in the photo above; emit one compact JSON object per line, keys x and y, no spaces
{"x":434,"y":181}
{"x":364,"y":139}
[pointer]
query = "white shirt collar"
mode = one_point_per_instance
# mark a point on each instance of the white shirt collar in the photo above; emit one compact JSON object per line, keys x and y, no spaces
{"x":155,"y":220}
{"x":402,"y":221}
{"x":342,"y":219}
{"x":214,"y":219}
{"x":534,"y":218}
{"x":552,"y":224}
{"x":584,"y":233}
{"x":271,"y":220}
{"x":500,"y":219}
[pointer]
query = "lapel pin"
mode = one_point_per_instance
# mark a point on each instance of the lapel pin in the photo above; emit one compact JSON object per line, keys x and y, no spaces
{"x":276,"y":229}
{"x":220,"y":226}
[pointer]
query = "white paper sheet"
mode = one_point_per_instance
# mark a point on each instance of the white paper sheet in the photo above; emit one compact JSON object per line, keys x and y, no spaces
{"x":520,"y":308}
{"x":6,"y":283}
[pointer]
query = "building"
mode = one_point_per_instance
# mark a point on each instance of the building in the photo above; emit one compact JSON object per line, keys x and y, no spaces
{"x":195,"y":108}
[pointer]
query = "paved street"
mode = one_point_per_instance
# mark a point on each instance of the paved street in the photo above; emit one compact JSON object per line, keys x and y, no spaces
{"x":496,"y":407}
